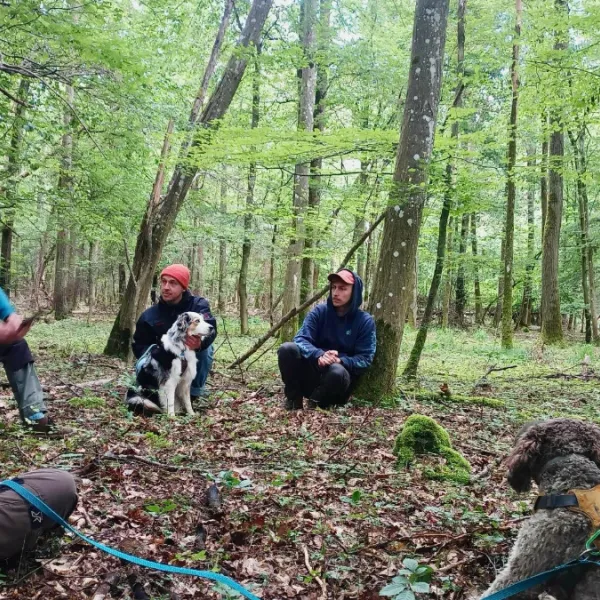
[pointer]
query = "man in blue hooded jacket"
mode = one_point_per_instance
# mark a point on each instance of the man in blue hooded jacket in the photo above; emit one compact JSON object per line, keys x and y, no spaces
{"x":335,"y":344}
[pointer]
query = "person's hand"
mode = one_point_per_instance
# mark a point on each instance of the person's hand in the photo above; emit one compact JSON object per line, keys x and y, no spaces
{"x":329,"y":358}
{"x":11,"y":330}
{"x":193,"y":342}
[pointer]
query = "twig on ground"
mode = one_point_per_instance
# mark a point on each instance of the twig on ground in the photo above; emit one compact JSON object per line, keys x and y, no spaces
{"x":149,"y":462}
{"x":312,"y":573}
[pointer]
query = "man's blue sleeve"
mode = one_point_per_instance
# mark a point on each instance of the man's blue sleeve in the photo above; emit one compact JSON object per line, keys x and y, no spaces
{"x":6,"y":308}
{"x":307,"y":336}
{"x":366,"y":344}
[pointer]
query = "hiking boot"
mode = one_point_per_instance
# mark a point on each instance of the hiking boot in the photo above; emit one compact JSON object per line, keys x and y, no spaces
{"x":293,"y":403}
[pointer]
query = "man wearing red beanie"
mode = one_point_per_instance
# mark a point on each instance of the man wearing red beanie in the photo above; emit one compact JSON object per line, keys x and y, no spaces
{"x":154,"y":322}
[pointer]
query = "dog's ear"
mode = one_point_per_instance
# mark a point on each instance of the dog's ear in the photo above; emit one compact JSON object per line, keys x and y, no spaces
{"x":522,"y":461}
{"x":183,"y":322}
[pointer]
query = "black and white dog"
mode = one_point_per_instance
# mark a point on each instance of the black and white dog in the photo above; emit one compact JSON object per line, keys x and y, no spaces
{"x":166,"y":377}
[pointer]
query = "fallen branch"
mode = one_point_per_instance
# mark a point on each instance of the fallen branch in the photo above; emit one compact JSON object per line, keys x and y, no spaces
{"x":292,"y":313}
{"x":312,"y":573}
{"x":352,"y":437}
{"x":152,"y":463}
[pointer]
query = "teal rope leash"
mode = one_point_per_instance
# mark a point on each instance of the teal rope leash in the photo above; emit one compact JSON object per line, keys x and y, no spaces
{"x":585,"y":559}
{"x":142,"y":562}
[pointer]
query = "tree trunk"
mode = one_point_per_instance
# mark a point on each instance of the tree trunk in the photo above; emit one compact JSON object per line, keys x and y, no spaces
{"x":509,"y":225}
{"x":461,"y":291}
{"x":407,"y":196}
{"x":247,"y":245}
{"x":448,"y":282}
{"x":578,"y":144}
{"x":61,"y":267}
{"x":293,"y":275}
{"x":92,"y":277}
{"x":410,"y":371}
{"x":221,"y":300}
{"x":412,"y":365}
{"x":551,"y":317}
{"x":544,"y":174}
{"x":161,"y":212}
{"x":498,"y":313}
{"x":476,"y":283}
{"x":524,"y":317}
{"x":10,"y":191}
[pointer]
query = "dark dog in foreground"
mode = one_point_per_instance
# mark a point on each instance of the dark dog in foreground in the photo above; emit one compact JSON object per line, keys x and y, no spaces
{"x":165,"y":378}
{"x":563,"y":457}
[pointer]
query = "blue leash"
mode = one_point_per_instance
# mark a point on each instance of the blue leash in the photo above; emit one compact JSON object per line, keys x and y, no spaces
{"x":142,"y":562}
{"x":525,"y":584}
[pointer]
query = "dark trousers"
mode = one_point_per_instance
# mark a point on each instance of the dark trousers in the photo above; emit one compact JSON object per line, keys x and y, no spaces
{"x":20,"y":523}
{"x":15,"y":356}
{"x":326,"y":386}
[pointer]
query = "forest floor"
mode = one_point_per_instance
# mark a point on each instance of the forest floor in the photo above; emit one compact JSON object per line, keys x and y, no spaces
{"x":313,"y":506}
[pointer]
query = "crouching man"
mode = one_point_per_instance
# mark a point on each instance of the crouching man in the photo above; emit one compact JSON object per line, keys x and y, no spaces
{"x":20,"y":523}
{"x":154,"y":322}
{"x":334,"y":346}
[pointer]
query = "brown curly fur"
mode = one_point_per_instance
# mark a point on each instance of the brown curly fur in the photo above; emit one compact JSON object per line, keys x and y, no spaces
{"x":559,"y":455}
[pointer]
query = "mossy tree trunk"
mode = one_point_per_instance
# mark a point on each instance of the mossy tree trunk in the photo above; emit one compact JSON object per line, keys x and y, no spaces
{"x":391,"y":294}
{"x":511,"y":190}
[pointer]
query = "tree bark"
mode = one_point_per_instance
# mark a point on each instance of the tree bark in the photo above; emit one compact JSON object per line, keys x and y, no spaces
{"x":293,"y":275}
{"x":461,"y":289}
{"x":221,"y":300}
{"x":412,"y":365}
{"x":476,"y":283}
{"x":10,"y":191}
{"x":448,"y":281}
{"x":61,"y":267}
{"x":247,"y":244}
{"x":498,"y":313}
{"x":551,"y":316}
{"x":160,"y":216}
{"x":524,"y":317}
{"x":509,"y":225}
{"x":92,"y":277}
{"x":407,"y":197}
{"x":578,"y":145}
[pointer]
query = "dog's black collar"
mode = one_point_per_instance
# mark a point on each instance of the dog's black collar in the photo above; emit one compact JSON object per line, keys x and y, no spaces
{"x":556,"y":501}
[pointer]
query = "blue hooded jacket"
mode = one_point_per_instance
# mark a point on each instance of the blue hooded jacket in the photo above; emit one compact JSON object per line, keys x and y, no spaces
{"x":352,"y":335}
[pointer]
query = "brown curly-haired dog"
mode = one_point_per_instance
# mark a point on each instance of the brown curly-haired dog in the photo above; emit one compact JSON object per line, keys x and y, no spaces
{"x":559,"y":455}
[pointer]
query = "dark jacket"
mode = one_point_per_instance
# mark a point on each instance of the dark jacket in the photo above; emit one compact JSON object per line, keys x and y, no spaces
{"x":155,"y":321}
{"x":352,"y":335}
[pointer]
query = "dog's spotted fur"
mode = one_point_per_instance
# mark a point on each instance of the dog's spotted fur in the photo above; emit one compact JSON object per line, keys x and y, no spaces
{"x":166,"y":378}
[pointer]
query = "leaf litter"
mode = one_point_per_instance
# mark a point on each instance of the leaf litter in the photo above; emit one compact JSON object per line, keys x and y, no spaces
{"x":305,"y":505}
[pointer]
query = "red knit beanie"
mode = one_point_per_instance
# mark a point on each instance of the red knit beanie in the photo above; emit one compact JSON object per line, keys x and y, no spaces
{"x":179,"y":272}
